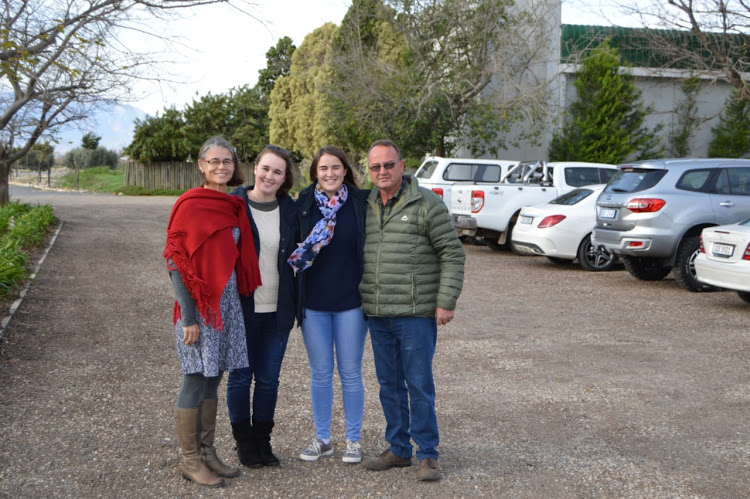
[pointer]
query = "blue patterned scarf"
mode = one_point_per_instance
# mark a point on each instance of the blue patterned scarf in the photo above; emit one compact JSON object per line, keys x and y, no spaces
{"x":302,"y":258}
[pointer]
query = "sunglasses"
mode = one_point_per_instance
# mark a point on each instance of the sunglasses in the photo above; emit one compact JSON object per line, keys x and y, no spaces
{"x":388,"y":166}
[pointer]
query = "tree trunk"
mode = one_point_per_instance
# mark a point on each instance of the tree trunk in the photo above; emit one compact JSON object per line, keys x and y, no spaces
{"x":4,"y":193}
{"x":441,"y":149}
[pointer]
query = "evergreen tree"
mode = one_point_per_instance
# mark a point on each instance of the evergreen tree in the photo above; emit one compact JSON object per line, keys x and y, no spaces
{"x":731,"y":137}
{"x":278,"y":64}
{"x":300,"y":109}
{"x":160,"y":138}
{"x":687,"y":119}
{"x":90,"y":141}
{"x":605,"y":123}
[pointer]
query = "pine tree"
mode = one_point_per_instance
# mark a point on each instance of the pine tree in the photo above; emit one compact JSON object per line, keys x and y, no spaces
{"x":605,"y":123}
{"x":731,"y":137}
{"x":687,"y":118}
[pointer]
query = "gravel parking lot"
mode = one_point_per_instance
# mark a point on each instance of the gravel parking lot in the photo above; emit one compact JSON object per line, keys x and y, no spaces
{"x":552,"y":381}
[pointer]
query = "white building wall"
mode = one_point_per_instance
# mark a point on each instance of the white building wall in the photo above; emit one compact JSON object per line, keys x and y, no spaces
{"x":662,"y":91}
{"x":659,"y":88}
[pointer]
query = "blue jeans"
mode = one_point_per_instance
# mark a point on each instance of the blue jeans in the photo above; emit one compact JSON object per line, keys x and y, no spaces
{"x":403,"y":348}
{"x":343,"y":333}
{"x":265,"y":351}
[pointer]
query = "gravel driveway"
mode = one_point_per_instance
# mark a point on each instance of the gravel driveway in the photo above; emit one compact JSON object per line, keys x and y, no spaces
{"x":551,"y":382}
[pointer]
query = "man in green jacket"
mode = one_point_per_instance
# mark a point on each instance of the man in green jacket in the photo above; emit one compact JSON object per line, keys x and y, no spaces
{"x":413,"y":274}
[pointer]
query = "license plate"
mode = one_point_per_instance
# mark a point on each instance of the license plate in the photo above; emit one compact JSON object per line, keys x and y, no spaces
{"x":607,"y":213}
{"x":723,"y":250}
{"x":525,"y":219}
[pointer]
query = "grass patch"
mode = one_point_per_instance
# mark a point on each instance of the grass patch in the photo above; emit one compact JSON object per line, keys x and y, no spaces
{"x":23,"y":228}
{"x":105,"y":180}
{"x":98,"y":179}
{"x":135,"y":190}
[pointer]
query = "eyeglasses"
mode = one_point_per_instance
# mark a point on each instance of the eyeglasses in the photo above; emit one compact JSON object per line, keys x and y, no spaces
{"x":388,"y":166}
{"x":217,"y":162}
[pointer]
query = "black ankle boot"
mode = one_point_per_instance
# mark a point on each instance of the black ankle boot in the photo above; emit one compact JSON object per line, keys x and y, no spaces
{"x":247,"y":450}
{"x":262,"y":434}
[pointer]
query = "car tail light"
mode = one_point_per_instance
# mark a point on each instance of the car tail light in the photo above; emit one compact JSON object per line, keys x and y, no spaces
{"x":438,"y":191}
{"x":702,"y":249}
{"x":550,"y":221}
{"x":635,"y":244}
{"x":746,"y":255}
{"x":477,"y":201}
{"x":645,"y":205}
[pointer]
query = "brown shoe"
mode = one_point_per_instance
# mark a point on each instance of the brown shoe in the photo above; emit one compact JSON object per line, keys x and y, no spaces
{"x":428,"y":470}
{"x":385,"y":461}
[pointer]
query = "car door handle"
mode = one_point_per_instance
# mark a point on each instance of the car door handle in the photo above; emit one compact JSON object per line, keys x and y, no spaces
{"x":728,"y":204}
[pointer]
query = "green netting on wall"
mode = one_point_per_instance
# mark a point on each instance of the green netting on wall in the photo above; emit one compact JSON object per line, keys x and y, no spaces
{"x":641,"y":47}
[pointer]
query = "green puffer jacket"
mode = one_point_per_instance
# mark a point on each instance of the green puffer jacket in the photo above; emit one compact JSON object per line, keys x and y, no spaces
{"x":415,"y":262}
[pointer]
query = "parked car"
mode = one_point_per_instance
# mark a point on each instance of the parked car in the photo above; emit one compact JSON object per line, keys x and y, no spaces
{"x":491,"y":211}
{"x":724,"y":258}
{"x":561,"y":230}
{"x":651,"y":213}
{"x":440,"y":174}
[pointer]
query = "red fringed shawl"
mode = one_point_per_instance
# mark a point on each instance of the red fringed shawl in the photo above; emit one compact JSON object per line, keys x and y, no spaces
{"x":202,"y":248}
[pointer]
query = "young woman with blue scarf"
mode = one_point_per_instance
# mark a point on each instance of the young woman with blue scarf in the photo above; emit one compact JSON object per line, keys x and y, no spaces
{"x":329,"y":267}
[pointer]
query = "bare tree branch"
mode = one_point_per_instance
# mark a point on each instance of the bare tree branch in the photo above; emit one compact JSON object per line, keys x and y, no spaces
{"x":61,"y":59}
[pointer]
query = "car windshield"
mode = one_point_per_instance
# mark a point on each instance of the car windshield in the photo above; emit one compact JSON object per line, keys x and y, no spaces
{"x":745,"y":222}
{"x":572,"y":197}
{"x":634,"y":180}
{"x":578,"y":177}
{"x":427,"y":169}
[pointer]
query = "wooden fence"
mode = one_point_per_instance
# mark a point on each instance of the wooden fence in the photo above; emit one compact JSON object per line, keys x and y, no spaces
{"x":174,"y":175}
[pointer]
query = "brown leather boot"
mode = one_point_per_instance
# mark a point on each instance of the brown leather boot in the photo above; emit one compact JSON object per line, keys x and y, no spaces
{"x":207,"y":409}
{"x":188,"y":435}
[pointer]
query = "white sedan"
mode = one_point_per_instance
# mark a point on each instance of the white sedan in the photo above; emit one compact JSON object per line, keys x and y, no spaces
{"x":561,"y":230}
{"x":724,"y":258}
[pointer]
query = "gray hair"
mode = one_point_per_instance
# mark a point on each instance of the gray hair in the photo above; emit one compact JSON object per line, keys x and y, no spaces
{"x":386,"y":143}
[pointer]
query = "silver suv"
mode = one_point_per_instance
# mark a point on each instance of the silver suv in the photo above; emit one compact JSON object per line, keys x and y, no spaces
{"x":652,"y":212}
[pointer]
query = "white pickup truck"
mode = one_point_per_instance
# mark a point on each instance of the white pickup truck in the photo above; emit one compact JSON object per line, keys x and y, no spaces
{"x":491,"y":211}
{"x":440,"y":174}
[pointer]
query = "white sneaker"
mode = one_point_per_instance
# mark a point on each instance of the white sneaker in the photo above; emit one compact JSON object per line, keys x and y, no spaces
{"x":317,"y":450}
{"x":353,"y":453}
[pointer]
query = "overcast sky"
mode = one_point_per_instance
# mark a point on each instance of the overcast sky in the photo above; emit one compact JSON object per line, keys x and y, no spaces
{"x":228,"y":47}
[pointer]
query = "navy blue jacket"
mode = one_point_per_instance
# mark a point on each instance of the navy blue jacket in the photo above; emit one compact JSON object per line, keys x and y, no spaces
{"x":286,"y":304}
{"x":305,"y":204}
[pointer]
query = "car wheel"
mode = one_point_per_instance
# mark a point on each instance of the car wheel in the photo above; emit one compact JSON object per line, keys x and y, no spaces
{"x":559,"y":261}
{"x":595,"y":258}
{"x":493,"y":245}
{"x":645,"y":269}
{"x":509,"y":244}
{"x":744,"y":295}
{"x":684,"y":265}
{"x":476,"y":241}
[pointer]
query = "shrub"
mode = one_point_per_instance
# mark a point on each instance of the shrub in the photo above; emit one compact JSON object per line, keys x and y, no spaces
{"x":21,"y":228}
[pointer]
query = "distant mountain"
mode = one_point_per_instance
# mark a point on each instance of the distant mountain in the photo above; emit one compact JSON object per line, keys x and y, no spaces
{"x":115,"y":126}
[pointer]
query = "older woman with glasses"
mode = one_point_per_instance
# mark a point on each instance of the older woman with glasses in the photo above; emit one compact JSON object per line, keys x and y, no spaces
{"x":329,"y":262}
{"x":270,"y":311}
{"x":211,"y":261}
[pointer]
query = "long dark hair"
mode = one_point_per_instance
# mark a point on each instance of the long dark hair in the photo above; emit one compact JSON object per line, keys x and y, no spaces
{"x":349,"y":178}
